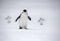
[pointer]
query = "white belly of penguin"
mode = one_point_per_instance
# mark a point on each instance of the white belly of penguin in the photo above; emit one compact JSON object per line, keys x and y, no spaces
{"x":23,"y":20}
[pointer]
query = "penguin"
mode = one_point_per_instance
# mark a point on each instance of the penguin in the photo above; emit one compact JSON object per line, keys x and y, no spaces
{"x":23,"y":19}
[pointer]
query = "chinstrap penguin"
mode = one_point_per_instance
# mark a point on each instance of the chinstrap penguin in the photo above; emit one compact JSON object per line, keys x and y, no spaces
{"x":23,"y":19}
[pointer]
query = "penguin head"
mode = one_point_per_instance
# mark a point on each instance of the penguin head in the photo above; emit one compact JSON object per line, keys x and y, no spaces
{"x":24,"y":10}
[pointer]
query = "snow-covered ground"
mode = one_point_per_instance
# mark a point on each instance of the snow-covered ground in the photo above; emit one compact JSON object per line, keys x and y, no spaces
{"x":46,"y":9}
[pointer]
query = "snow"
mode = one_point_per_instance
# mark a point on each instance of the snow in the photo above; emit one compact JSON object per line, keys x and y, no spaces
{"x":48,"y":10}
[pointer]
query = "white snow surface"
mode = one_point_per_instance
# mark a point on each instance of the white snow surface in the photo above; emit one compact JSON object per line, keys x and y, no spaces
{"x":47,"y":9}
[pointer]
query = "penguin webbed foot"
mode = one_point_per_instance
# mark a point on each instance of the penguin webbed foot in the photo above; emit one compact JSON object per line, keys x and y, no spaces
{"x":20,"y":27}
{"x":25,"y":28}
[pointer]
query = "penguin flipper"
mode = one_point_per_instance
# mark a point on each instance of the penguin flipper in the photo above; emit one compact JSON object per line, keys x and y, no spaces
{"x":29,"y":18}
{"x":18,"y":18}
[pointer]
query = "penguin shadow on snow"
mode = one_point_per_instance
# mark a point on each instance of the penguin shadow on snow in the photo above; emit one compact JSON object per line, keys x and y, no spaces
{"x":8,"y":19}
{"x":41,"y":21}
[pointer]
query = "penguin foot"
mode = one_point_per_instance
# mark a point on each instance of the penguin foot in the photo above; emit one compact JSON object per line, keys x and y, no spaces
{"x":20,"y":28}
{"x":25,"y":28}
